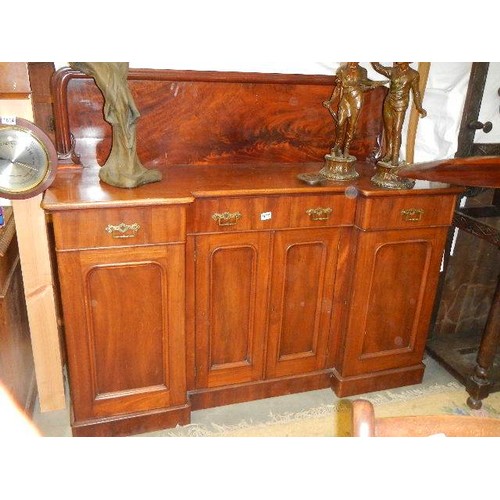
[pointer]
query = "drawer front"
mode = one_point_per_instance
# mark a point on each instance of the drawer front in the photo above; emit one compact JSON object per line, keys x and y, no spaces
{"x":271,"y":212}
{"x":110,"y":227}
{"x":404,"y":212}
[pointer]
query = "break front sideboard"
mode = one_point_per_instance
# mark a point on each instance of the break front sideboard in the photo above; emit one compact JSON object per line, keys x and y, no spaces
{"x":230,"y":279}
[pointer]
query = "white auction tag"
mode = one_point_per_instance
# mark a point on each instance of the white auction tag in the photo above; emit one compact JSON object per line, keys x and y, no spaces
{"x":8,"y":120}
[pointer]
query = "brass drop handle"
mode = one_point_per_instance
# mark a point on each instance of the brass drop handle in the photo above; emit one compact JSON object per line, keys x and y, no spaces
{"x":227,"y":218}
{"x":319,"y":213}
{"x":412,"y":214}
{"x":123,"y":230}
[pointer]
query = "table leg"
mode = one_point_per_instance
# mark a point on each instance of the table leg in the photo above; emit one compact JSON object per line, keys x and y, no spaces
{"x":478,"y":385}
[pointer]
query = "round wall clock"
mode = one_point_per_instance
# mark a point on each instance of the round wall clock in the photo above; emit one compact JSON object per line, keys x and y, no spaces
{"x":28,"y":159}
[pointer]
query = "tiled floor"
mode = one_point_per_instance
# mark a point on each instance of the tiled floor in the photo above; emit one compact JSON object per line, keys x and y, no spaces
{"x":57,"y":423}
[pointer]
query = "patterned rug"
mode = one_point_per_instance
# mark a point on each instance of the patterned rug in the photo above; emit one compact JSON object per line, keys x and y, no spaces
{"x":334,"y":420}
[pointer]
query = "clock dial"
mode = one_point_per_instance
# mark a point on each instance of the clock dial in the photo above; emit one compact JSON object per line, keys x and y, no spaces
{"x":27,"y":158}
{"x":23,"y":161}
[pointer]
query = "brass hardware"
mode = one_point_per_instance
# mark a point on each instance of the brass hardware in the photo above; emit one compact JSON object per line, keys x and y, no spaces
{"x":227,"y":218}
{"x":412,"y":214}
{"x":123,"y":230}
{"x":319,"y":213}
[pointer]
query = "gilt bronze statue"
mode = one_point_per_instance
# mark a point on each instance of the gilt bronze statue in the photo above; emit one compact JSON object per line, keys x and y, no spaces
{"x":351,"y":83}
{"x":122,"y":167}
{"x":403,"y":81}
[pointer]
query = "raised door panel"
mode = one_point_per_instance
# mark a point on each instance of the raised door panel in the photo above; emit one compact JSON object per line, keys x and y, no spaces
{"x":231,"y":304}
{"x":392,"y":298}
{"x":303,"y":283}
{"x":124,"y":330}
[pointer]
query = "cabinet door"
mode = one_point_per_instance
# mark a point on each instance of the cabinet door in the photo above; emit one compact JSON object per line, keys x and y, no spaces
{"x":302,"y":294}
{"x":124,"y":326}
{"x":392,"y":298}
{"x":231,"y":307}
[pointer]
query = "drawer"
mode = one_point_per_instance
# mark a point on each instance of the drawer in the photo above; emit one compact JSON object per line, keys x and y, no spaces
{"x":403,"y":212}
{"x":227,"y":214}
{"x":128,"y":226}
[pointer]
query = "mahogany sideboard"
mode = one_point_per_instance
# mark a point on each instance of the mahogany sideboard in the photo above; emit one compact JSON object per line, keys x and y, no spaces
{"x":230,"y":279}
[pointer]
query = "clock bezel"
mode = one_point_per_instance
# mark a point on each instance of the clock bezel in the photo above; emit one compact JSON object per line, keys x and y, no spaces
{"x":51,"y":165}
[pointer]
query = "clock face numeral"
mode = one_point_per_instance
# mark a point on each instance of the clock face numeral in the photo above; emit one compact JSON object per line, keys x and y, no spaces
{"x":24,"y":160}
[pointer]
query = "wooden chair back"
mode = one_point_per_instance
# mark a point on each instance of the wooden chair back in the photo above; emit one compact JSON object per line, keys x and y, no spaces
{"x":366,"y":424}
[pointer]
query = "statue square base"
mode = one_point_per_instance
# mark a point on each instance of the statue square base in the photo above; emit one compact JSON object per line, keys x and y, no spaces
{"x":339,"y":168}
{"x":386,"y":177}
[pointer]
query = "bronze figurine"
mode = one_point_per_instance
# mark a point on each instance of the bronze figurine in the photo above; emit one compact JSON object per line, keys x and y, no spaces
{"x":351,"y":83}
{"x":123,"y":167}
{"x":403,"y":81}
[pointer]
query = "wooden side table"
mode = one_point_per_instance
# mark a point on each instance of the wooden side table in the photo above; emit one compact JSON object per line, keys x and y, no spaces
{"x":484,"y":223}
{"x":481,"y":223}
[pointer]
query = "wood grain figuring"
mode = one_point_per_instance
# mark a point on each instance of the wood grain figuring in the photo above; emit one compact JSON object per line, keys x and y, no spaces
{"x":302,"y":285}
{"x":200,"y":118}
{"x":394,"y":329}
{"x":296,"y":293}
{"x":94,"y":228}
{"x":377,"y":380}
{"x":231,"y":296}
{"x":125,"y":326}
{"x":392,"y":298}
{"x":118,"y":327}
{"x":385,"y":213}
{"x":285,"y":212}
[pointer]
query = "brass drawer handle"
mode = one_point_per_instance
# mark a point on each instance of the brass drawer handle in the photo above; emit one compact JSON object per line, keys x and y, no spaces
{"x":227,"y":218}
{"x":412,"y":214}
{"x":319,"y":213}
{"x":123,"y":230}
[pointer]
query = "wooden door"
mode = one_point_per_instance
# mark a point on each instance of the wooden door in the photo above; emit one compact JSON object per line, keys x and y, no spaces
{"x":302,"y":299}
{"x":392,"y":297}
{"x":231,"y":307}
{"x":124,"y":323}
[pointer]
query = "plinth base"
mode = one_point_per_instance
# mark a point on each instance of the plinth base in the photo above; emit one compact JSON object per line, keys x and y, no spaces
{"x":386,"y":177}
{"x":339,"y":168}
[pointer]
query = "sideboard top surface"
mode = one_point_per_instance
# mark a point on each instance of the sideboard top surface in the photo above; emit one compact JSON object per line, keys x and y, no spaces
{"x":181,"y":184}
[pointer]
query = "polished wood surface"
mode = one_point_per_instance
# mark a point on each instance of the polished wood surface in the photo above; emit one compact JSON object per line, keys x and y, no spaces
{"x":366,"y":424}
{"x":212,"y":118}
{"x":81,"y":188}
{"x":268,"y":300}
{"x":391,"y":298}
{"x":478,"y":171}
{"x":231,"y":295}
{"x":304,"y":268}
{"x":241,"y":273}
{"x":124,"y":329}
